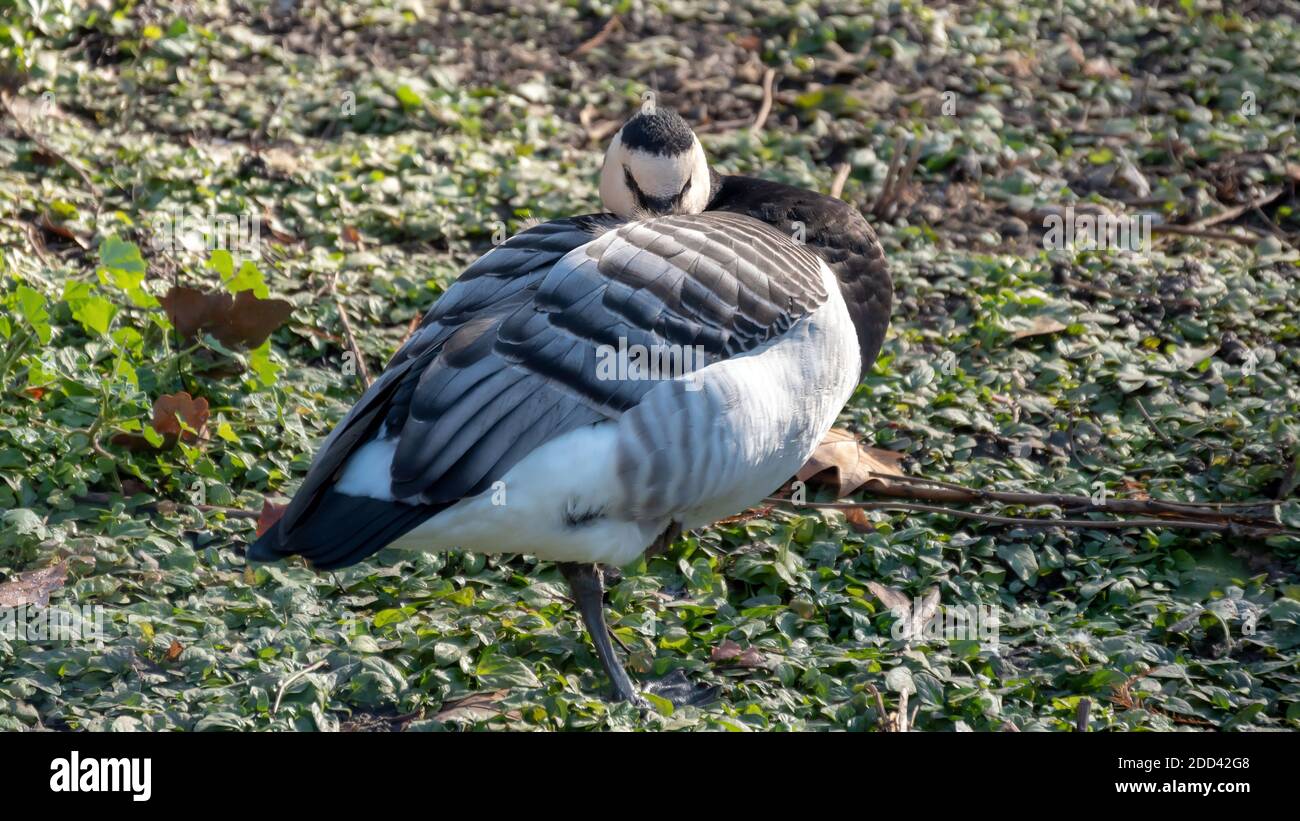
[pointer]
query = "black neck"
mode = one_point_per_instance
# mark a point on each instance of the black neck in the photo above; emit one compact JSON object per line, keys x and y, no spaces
{"x":837,"y":232}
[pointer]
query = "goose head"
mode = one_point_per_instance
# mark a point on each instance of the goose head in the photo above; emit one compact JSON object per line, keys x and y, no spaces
{"x":655,"y":166}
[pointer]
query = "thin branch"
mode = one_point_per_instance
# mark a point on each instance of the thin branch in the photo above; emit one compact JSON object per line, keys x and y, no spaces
{"x":291,"y":679}
{"x":886,"y":189}
{"x":882,"y":717}
{"x":1164,"y":437}
{"x":937,"y":490}
{"x":901,"y":167}
{"x":1192,"y":231}
{"x":410,"y":329}
{"x":769,"y":88}
{"x":600,"y":37}
{"x":1236,"y":211}
{"x":1235,"y":528}
{"x":362,"y":371}
{"x":841,"y":177}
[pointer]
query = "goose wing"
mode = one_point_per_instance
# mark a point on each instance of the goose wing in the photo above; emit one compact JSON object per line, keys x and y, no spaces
{"x":508,"y":359}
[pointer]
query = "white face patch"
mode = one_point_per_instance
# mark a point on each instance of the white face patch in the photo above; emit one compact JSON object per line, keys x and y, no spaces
{"x":659,"y":176}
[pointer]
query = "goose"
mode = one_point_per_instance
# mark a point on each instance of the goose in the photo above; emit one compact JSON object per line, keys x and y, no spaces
{"x":501,"y":425}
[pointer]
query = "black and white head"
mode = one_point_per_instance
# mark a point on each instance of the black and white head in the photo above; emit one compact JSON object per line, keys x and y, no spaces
{"x":655,"y":165}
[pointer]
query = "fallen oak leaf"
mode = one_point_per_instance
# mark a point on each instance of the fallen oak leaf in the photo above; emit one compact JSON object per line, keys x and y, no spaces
{"x":241,"y":320}
{"x":176,"y":417}
{"x":728,"y":652}
{"x":854,"y":464}
{"x":33,"y":587}
{"x":271,"y":513}
{"x":1040,"y":326}
{"x":180,"y":415}
{"x":475,"y":707}
{"x":858,"y":521}
{"x":47,"y":224}
{"x":893,"y":599}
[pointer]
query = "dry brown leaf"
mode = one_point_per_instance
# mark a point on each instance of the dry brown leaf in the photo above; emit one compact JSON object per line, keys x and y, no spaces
{"x":174,"y":650}
{"x":1100,"y":67}
{"x":476,"y":707}
{"x":891,"y":598}
{"x":1041,"y":325}
{"x":853,"y":464}
{"x":242,"y":320}
{"x":172,"y":409}
{"x":728,"y":652}
{"x":168,"y":412}
{"x":33,"y":587}
{"x":271,"y":513}
{"x":47,"y":224}
{"x":858,"y":521}
{"x":1135,"y":490}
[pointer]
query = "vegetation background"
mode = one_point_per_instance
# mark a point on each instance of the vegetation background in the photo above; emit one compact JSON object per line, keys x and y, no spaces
{"x":381,"y":143}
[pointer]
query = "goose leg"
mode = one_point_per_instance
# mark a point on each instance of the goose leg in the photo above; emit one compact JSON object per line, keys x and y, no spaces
{"x":589,"y":592}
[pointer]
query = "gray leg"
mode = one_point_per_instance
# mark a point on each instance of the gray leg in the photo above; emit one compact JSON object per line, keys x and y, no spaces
{"x":589,"y":592}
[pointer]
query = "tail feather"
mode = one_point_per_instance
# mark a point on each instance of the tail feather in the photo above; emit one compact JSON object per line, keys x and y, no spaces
{"x":340,"y":530}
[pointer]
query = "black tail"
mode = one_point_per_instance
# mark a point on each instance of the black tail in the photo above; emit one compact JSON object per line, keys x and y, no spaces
{"x":340,"y":530}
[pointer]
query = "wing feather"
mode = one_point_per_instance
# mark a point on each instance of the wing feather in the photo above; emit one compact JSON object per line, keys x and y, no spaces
{"x":508,"y":358}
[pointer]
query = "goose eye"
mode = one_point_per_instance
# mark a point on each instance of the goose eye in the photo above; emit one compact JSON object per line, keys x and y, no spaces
{"x":630,"y":180}
{"x":685,"y":188}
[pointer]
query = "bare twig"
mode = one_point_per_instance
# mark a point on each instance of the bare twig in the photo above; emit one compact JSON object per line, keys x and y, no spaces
{"x":1193,"y":231}
{"x":936,"y":490}
{"x":362,"y":370}
{"x":37,"y":243}
{"x":1164,"y":437}
{"x":1233,"y":527}
{"x":884,"y":722}
{"x":886,"y":196}
{"x":841,"y":177}
{"x":1236,"y":211}
{"x":410,"y":329}
{"x":901,"y":166}
{"x":290,"y":680}
{"x":769,"y":88}
{"x":611,"y":25}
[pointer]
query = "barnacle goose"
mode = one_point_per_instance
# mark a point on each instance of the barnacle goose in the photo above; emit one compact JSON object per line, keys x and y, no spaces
{"x":495,"y":428}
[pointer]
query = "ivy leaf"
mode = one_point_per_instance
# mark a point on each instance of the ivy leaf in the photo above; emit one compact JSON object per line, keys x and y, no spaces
{"x":120,"y":256}
{"x":31,"y":307}
{"x":93,"y":312}
{"x":1021,"y":559}
{"x":249,"y":278}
